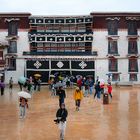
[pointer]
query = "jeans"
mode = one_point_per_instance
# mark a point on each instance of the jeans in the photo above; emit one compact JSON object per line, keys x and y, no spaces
{"x":22,"y":111}
{"x":62,"y":127}
{"x":86,"y":92}
{"x":90,"y":90}
{"x":98,"y":94}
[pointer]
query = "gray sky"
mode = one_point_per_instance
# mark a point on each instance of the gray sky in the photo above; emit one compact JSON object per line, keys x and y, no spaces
{"x":68,"y":7}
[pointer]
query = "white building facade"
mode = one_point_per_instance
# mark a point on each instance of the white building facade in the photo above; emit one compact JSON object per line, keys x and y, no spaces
{"x":99,"y":44}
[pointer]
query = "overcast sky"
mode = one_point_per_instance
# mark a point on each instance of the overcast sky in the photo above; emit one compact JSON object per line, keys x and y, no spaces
{"x":68,"y":7}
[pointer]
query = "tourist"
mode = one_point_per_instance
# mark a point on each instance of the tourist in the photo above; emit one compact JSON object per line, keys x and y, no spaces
{"x":23,"y":105}
{"x":61,"y":115}
{"x":11,"y":85}
{"x":91,"y":84}
{"x":97,"y":90}
{"x":20,"y":85}
{"x":102,"y":85}
{"x":62,"y":95}
{"x":2,"y":86}
{"x":39,"y":84}
{"x":86,"y":88}
{"x":78,"y":95}
{"x":109,"y":86}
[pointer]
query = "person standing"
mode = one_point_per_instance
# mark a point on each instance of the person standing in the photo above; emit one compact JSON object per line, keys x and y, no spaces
{"x":97,"y":90}
{"x":39,"y":84}
{"x":23,"y":105}
{"x":109,"y":86}
{"x":78,"y":95}
{"x":91,"y":84}
{"x":62,"y":95}
{"x":11,"y":85}
{"x":2,"y":85}
{"x":61,"y":115}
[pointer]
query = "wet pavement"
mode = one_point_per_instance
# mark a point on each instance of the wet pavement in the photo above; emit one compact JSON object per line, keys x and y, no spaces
{"x":120,"y":120}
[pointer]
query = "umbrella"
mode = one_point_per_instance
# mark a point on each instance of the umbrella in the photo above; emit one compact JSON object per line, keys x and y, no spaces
{"x":1,"y":74}
{"x":37,"y":75}
{"x":101,"y":81}
{"x":24,"y":94}
{"x":78,"y":76}
{"x":52,"y":76}
{"x":59,"y":84}
{"x":22,"y":79}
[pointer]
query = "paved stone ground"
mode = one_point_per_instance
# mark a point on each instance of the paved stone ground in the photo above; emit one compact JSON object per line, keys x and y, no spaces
{"x":120,"y":120}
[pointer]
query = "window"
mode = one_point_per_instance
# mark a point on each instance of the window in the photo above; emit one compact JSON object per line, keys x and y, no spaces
{"x":1,"y":55}
{"x":115,"y":77}
{"x":132,"y":27}
{"x":49,"y":28}
{"x":12,"y":28}
{"x":54,"y":47}
{"x":133,"y":65}
{"x":133,"y":77}
{"x":41,"y":28}
{"x":12,"y":63}
{"x":12,"y":47}
{"x":81,"y":28}
{"x":68,"y":47}
{"x":112,"y":27}
{"x":132,"y":47}
{"x":40,"y":47}
{"x":113,"y":65}
{"x":65,"y":28}
{"x":112,"y":47}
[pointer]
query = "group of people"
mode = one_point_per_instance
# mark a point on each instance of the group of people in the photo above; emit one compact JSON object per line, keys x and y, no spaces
{"x":84,"y":88}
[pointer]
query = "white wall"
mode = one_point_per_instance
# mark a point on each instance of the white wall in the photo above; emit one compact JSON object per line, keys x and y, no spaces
{"x":101,"y":43}
{"x":22,"y":45}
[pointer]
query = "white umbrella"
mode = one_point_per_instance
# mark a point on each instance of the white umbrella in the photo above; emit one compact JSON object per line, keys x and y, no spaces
{"x":101,"y":81}
{"x":52,"y":76}
{"x":24,"y":94}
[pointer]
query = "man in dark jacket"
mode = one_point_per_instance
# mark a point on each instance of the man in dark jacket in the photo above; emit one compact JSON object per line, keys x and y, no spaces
{"x":62,"y":95}
{"x":97,"y":90}
{"x":61,"y":115}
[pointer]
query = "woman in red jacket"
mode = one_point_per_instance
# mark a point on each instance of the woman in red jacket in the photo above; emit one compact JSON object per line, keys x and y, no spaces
{"x":109,"y":89}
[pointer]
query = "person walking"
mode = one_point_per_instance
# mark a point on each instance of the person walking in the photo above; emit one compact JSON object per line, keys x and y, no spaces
{"x":61,"y":115}
{"x":97,"y":90}
{"x":23,"y":105}
{"x":11,"y":85}
{"x":2,"y":86}
{"x":109,"y":86}
{"x":62,"y":95}
{"x":91,"y":84}
{"x":78,"y":95}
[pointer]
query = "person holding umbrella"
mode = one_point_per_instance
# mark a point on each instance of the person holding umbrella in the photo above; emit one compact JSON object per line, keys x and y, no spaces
{"x":23,"y":102}
{"x":78,"y":95}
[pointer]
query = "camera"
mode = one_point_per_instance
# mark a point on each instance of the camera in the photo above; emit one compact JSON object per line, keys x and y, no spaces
{"x":57,"y":121}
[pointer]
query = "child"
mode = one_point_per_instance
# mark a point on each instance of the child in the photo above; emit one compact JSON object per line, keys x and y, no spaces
{"x":109,"y":89}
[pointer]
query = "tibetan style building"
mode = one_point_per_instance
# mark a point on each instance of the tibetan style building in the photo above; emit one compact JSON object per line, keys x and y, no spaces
{"x":99,"y":44}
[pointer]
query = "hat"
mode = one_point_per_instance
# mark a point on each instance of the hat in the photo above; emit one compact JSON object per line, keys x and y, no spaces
{"x":77,"y":88}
